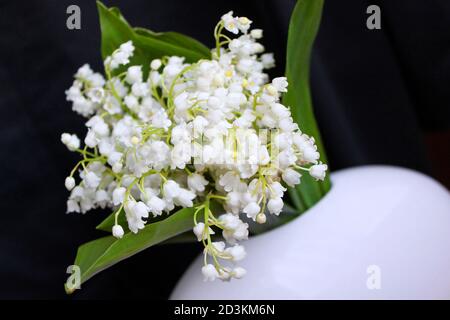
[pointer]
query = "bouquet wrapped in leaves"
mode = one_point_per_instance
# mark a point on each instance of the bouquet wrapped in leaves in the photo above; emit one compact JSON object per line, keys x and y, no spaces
{"x":181,"y":138}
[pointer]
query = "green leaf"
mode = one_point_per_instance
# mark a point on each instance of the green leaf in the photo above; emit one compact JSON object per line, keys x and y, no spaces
{"x":186,"y":237}
{"x":148,"y":44}
{"x":100,"y":254}
{"x":303,"y":27}
{"x":176,"y":39}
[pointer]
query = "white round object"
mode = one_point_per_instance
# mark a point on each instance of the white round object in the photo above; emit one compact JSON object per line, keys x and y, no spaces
{"x":380,"y":233}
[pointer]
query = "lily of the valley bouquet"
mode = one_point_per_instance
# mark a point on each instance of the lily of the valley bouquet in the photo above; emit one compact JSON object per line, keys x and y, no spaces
{"x":181,"y":139}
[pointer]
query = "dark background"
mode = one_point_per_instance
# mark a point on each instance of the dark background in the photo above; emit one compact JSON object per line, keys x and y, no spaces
{"x":381,"y":97}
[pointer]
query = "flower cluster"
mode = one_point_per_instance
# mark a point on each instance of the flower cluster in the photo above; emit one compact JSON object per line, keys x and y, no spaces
{"x":190,"y":135}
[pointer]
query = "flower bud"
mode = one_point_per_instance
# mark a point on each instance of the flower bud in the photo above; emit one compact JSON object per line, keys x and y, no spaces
{"x":261,"y":218}
{"x":117,"y":231}
{"x":69,"y":183}
{"x":134,"y":140}
{"x":155,"y":64}
{"x":71,"y":141}
{"x":256,"y":33}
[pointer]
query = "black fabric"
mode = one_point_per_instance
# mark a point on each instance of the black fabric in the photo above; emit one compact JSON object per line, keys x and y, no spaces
{"x":375,"y":93}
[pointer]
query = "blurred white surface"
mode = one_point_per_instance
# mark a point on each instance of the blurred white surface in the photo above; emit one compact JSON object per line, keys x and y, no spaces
{"x":380,"y":233}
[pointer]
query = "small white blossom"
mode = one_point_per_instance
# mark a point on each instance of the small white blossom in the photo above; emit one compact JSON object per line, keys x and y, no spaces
{"x":209,"y":272}
{"x":71,"y":141}
{"x":135,"y":212}
{"x":318,"y":171}
{"x":118,"y":195}
{"x":252,"y":209}
{"x":275,"y":205}
{"x":156,"y":205}
{"x":185,"y":198}
{"x":236,"y":252}
{"x":291,"y":177}
{"x":244,"y":24}
{"x":268,"y":60}
{"x":92,"y":180}
{"x":197,"y":182}
{"x":171,"y":189}
{"x":134,"y":74}
{"x":230,"y":22}
{"x":219,"y":246}
{"x":120,"y":56}
{"x":72,"y":206}
{"x":280,"y":84}
{"x":199,"y":231}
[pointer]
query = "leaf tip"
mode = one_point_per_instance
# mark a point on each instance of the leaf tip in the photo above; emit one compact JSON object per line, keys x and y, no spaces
{"x":100,"y":4}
